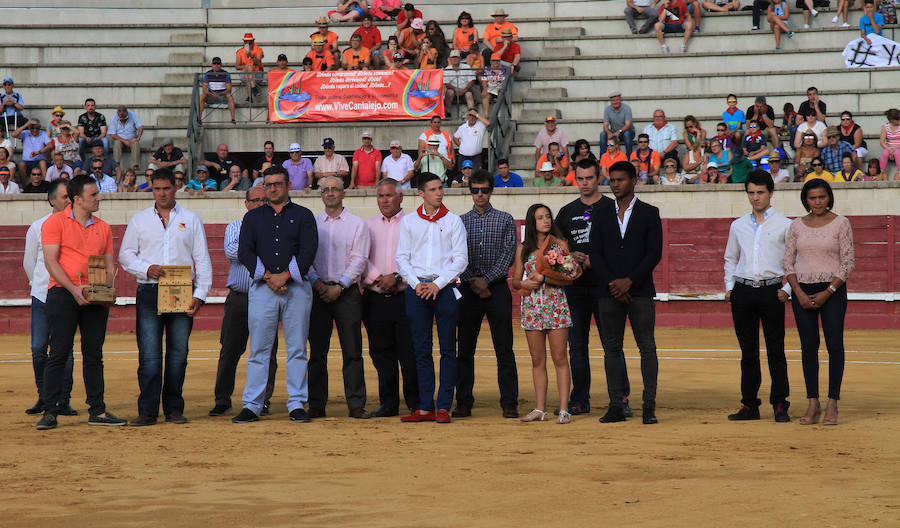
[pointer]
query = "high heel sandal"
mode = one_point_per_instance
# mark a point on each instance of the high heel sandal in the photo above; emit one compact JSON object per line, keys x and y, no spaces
{"x":536,"y":415}
{"x":564,"y":417}
{"x":830,"y":420}
{"x":810,"y":419}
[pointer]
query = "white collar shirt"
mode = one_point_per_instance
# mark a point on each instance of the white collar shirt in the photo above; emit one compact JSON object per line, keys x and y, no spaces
{"x":437,"y":250}
{"x":33,"y":261}
{"x":756,"y":251}
{"x":623,"y":222}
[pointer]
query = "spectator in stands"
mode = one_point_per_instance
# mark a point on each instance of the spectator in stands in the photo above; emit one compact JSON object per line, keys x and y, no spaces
{"x":853,"y":134}
{"x":445,"y":141}
{"x":5,"y":162}
{"x":299,"y":169}
{"x":356,"y":57}
{"x":105,"y":182}
{"x":126,"y":130}
{"x":330,"y":38}
{"x":788,"y":122}
{"x":545,"y":176}
{"x":692,"y":133}
{"x":465,"y":34}
{"x":349,"y":11}
{"x":6,"y":144}
{"x":219,"y":163}
{"x":216,"y":88}
{"x":722,"y":159}
{"x":721,"y":6}
{"x":411,"y":38}
{"x":712,"y":175}
{"x":754,"y":147}
{"x":505,"y":178}
{"x":779,"y":173}
{"x":694,"y":162}
{"x":322,"y":59}
{"x":129,"y":181}
{"x":509,"y":51}
{"x":398,"y":166}
{"x":870,"y":22}
{"x":843,"y":8}
{"x":733,"y":116}
{"x":58,"y":169}
{"x":248,"y":60}
{"x":559,"y":162}
{"x":366,"y":163}
{"x":890,"y":139}
{"x":385,"y":9}
{"x":550,"y":134}
{"x":663,"y":136}
{"x":167,"y":156}
{"x":12,"y":104}
{"x":306,"y":64}
{"x":612,"y":155}
{"x":674,"y":18}
{"x":873,"y":172}
{"x":57,"y":116}
{"x":36,"y":182}
{"x":469,"y":137}
{"x":813,"y":103}
{"x":492,"y":80}
{"x":98,"y":153}
{"x":67,"y":145}
{"x":281,"y":64}
{"x":36,"y":145}
{"x":431,"y":160}
{"x":7,"y":186}
{"x":818,"y":171}
{"x":833,"y":151}
{"x":268,"y":159}
{"x":647,"y":8}
{"x":201,"y":182}
{"x":395,"y":57}
{"x":180,"y":182}
{"x":811,"y":124}
{"x":439,"y":41}
{"x":670,"y":174}
{"x":848,"y":172}
{"x":493,"y":33}
{"x":581,"y":151}
{"x":330,"y":165}
{"x":428,"y":55}
{"x":764,"y":115}
{"x":147,"y":186}
{"x":807,"y":6}
{"x":91,"y":126}
{"x":371,"y":39}
{"x":618,"y":123}
{"x":236,"y":181}
{"x":647,"y":157}
{"x":805,"y":154}
{"x":475,"y":60}
{"x":405,"y":17}
{"x":722,"y":136}
{"x":459,"y":81}
{"x":778,"y":15}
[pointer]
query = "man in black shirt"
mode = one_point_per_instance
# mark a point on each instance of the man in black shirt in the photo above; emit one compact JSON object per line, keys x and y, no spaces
{"x":37,"y":184}
{"x":268,"y":159}
{"x":765,"y":116}
{"x":220,"y":162}
{"x":91,"y":126}
{"x":812,"y":103}
{"x":575,"y":220}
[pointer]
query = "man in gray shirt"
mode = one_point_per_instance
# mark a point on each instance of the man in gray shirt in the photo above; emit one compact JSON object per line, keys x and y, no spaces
{"x":641,"y":7}
{"x":617,"y":122}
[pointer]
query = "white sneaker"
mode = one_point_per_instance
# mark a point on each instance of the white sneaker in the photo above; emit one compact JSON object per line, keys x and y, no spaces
{"x":834,"y":20}
{"x":665,"y":48}
{"x":805,"y":26}
{"x":845,"y":25}
{"x":816,"y":13}
{"x":683,"y":48}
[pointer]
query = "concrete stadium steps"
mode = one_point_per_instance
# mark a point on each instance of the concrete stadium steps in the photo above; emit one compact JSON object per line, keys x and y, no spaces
{"x":67,"y":15}
{"x":62,"y":73}
{"x":101,"y":32}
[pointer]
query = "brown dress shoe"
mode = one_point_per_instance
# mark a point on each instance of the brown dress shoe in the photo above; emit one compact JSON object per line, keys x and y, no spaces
{"x":359,"y":413}
{"x":143,"y":420}
{"x":316,"y":413}
{"x":461,"y":411}
{"x":510,"y":411}
{"x":176,"y":418}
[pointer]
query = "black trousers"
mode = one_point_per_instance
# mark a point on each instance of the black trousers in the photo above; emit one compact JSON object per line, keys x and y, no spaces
{"x":832,"y":316}
{"x":759,"y":7}
{"x":472,"y":309}
{"x":66,"y":316}
{"x":390,"y":347}
{"x":641,"y":312}
{"x":749,"y":308}
{"x":233,"y":338}
{"x":346,"y":314}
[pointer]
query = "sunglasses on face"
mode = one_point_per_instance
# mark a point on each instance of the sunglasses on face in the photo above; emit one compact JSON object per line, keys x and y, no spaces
{"x":179,"y":179}
{"x":817,"y":165}
{"x":38,"y":173}
{"x":720,"y":130}
{"x":670,"y":166}
{"x":643,"y":141}
{"x":732,"y":100}
{"x":482,"y":190}
{"x":610,"y":145}
{"x":845,"y":119}
{"x":753,"y":126}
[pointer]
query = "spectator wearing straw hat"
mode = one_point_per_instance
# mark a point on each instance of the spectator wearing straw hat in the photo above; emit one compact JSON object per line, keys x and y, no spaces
{"x":493,"y":33}
{"x":833,"y":151}
{"x":321,"y":58}
{"x":249,"y":60}
{"x":509,"y":51}
{"x":57,"y":117}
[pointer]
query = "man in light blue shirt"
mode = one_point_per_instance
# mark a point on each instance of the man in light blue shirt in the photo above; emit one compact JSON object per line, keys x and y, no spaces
{"x":125,"y":130}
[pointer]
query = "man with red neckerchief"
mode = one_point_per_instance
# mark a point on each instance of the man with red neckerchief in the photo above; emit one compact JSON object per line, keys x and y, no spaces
{"x":431,"y":254}
{"x":755,"y":146}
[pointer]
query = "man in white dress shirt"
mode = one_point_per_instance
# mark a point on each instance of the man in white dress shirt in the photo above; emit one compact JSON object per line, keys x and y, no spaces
{"x":39,"y":277}
{"x":469,"y":138}
{"x":753,"y":286}
{"x":164,"y":234}
{"x":431,"y":254}
{"x":398,"y":166}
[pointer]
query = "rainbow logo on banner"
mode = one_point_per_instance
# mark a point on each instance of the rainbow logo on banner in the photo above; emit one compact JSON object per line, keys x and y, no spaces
{"x":291,"y":102}
{"x":419,"y":98}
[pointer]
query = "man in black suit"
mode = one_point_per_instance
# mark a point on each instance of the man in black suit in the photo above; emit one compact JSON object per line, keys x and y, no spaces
{"x":628,"y":245}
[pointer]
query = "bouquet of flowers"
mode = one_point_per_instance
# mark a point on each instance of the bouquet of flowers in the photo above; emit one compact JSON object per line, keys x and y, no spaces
{"x":555,"y":262}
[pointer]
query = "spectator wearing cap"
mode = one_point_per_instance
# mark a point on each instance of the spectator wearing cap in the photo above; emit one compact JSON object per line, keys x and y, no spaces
{"x":370,"y":39}
{"x":711,"y":174}
{"x":219,"y":163}
{"x":618,"y":123}
{"x":366,"y":167}
{"x":546,"y":176}
{"x":550,"y":134}
{"x":411,"y":38}
{"x":248,"y":60}
{"x":557,"y":159}
{"x":322,"y":59}
{"x":663,"y":136}
{"x":406,"y":16}
{"x":356,"y":57}
{"x":492,"y":80}
{"x":35,"y":146}
{"x":110,"y":166}
{"x":493,"y":33}
{"x":463,"y":177}
{"x":201,"y":182}
{"x":330,"y":164}
{"x":126,"y":130}
{"x":281,"y":64}
{"x":459,"y":81}
{"x":645,"y":8}
{"x":469,"y":137}
{"x":764,"y":115}
{"x":11,"y":104}
{"x":779,"y":173}
{"x":57,"y":116}
{"x":330,"y":37}
{"x":673,"y":17}
{"x":398,"y":166}
{"x":510,"y":52}
{"x":444,"y":139}
{"x":299,"y":169}
{"x":91,"y":126}
{"x":167,"y":156}
{"x":432,"y":160}
{"x":216,"y":88}
{"x":505,"y":178}
{"x":268,"y":159}
{"x":7,"y":186}
{"x":833,"y":151}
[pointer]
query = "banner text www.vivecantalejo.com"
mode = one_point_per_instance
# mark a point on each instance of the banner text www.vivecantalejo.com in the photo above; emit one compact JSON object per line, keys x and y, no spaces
{"x":365,"y":105}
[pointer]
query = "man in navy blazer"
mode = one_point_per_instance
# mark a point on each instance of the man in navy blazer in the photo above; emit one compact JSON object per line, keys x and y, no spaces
{"x":629,"y":246}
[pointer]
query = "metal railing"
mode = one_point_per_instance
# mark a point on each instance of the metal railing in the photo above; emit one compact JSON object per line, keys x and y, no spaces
{"x":194,"y":127}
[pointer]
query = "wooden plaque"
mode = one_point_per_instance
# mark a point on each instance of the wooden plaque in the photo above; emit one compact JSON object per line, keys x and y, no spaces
{"x":176,"y":289}
{"x":97,"y":292}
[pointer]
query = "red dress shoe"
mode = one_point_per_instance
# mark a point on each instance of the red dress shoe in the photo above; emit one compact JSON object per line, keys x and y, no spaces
{"x":420,"y":416}
{"x":442,"y":416}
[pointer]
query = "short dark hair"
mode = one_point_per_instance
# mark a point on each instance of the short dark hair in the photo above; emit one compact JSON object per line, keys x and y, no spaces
{"x":409,"y":7}
{"x":54,"y":188}
{"x":77,"y":185}
{"x":275,"y":169}
{"x":502,"y":161}
{"x":624,"y":166}
{"x":90,"y":100}
{"x":811,"y":88}
{"x":482,"y":176}
{"x":816,"y":183}
{"x":216,"y":60}
{"x":163,"y":174}
{"x":307,"y":60}
{"x":553,"y":143}
{"x":760,"y":177}
{"x":846,"y":155}
{"x":367,"y":16}
{"x":730,"y":96}
{"x":425,"y":178}
{"x":588,"y":163}
{"x":644,"y":136}
{"x":356,"y":36}
{"x":267,"y":143}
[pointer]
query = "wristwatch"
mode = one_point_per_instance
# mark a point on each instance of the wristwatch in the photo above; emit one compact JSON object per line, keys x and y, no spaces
{"x":398,"y":277}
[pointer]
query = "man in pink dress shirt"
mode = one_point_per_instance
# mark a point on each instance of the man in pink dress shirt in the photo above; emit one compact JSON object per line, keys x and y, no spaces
{"x":384,"y":306}
{"x":335,"y":274}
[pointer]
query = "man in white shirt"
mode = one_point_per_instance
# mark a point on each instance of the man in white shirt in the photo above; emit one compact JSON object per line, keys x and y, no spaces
{"x":162,"y":235}
{"x":753,"y":285}
{"x":126,"y":130}
{"x":105,"y":182}
{"x":431,"y":254}
{"x":398,"y":166}
{"x":59,"y":169}
{"x":39,"y":277}
{"x":469,"y":137}
{"x":460,"y":79}
{"x":663,"y":136}
{"x":7,"y":186}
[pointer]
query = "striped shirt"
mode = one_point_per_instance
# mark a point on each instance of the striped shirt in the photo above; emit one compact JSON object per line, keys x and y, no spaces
{"x":491,"y":238}
{"x":238,"y":276}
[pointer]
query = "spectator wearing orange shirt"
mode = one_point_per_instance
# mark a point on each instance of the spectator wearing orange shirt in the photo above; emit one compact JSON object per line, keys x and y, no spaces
{"x":493,"y":33}
{"x":249,"y":60}
{"x":321,"y":58}
{"x":411,"y":38}
{"x":330,"y":37}
{"x":510,"y":52}
{"x":405,"y":17}
{"x":428,"y":58}
{"x":612,"y":155}
{"x":559,"y":160}
{"x":465,"y":35}
{"x":356,"y":57}
{"x":648,"y":158}
{"x":371,"y":39}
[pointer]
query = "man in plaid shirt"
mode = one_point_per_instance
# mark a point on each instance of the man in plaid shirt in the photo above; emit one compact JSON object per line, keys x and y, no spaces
{"x":491,"y":237}
{"x":833,"y":152}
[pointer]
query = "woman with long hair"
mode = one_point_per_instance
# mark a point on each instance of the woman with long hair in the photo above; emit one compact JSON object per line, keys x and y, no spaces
{"x":465,"y":34}
{"x":544,"y":313}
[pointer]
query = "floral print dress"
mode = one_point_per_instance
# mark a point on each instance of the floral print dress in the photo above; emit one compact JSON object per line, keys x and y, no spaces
{"x":546,"y":308}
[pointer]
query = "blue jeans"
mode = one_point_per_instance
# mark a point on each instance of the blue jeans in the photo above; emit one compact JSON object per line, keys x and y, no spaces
{"x":40,"y":341}
{"x":445,"y":310}
{"x":625,"y":138}
{"x":152,"y":378}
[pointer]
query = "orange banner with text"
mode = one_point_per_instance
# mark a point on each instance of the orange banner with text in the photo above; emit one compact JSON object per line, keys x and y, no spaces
{"x":351,"y":95}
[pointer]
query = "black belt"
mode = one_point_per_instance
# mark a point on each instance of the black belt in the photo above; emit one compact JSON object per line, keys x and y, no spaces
{"x":759,"y":283}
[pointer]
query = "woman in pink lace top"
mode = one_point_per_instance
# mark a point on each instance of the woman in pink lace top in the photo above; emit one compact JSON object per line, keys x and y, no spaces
{"x":818,"y":258}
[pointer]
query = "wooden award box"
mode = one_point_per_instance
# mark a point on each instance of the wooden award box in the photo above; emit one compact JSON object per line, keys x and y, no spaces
{"x":97,"y":292}
{"x":176,"y":289}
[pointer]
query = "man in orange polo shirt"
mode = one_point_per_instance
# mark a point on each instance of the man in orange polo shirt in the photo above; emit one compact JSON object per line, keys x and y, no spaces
{"x":249,"y":60}
{"x":69,"y":238}
{"x":492,"y":35}
{"x":356,"y":57}
{"x":321,"y":58}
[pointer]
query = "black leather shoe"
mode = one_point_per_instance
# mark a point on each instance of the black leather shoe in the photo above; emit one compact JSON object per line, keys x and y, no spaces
{"x":613,"y":414}
{"x":245,"y":416}
{"x":745,"y":413}
{"x":37,"y":408}
{"x":219,"y":410}
{"x":510,"y":411}
{"x":68,"y":411}
{"x":143,"y":420}
{"x":316,"y":413}
{"x":461,"y":411}
{"x":382,"y":412}
{"x":299,"y":415}
{"x":627,"y":409}
{"x":48,"y":421}
{"x":265,"y":410}
{"x":649,"y":416}
{"x":781,"y":412}
{"x":176,"y":418}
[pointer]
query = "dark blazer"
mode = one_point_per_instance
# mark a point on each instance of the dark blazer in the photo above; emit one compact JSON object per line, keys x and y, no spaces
{"x":635,"y":256}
